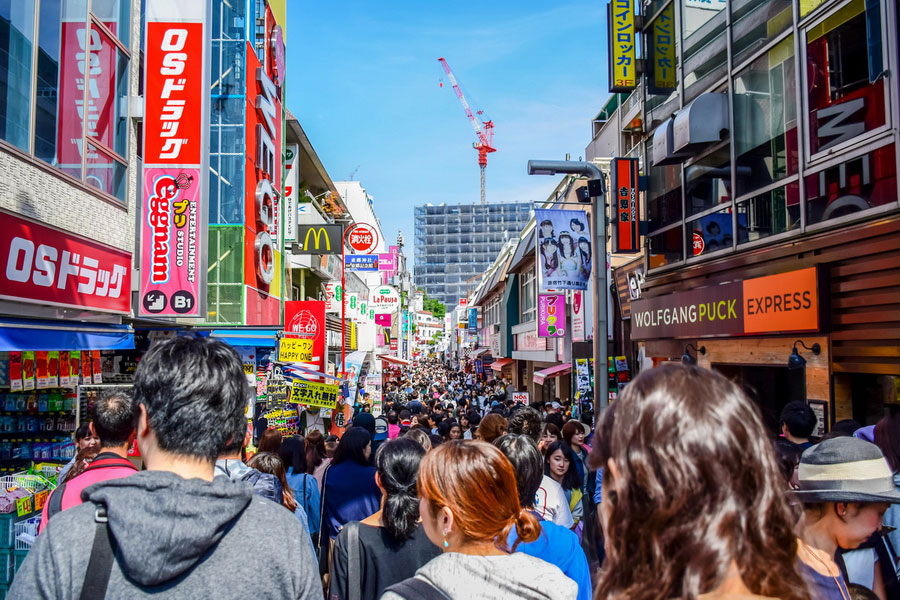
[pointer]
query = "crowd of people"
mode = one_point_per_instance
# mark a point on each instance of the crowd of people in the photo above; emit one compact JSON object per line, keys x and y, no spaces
{"x":453,"y":490}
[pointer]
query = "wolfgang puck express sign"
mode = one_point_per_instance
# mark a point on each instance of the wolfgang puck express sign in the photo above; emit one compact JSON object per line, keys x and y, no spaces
{"x":788,"y":302}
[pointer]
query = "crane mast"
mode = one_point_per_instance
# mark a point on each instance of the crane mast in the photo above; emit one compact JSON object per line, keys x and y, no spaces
{"x":485,"y":135}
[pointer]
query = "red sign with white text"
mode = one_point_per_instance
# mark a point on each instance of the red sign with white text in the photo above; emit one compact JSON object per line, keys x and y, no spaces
{"x":624,"y":176}
{"x":173,"y":232}
{"x":42,"y":265}
{"x":363,"y":238}
{"x":305,"y":319}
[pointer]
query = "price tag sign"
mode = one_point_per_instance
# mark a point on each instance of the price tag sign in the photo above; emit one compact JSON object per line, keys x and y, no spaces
{"x":40,"y":499}
{"x":23,"y":506}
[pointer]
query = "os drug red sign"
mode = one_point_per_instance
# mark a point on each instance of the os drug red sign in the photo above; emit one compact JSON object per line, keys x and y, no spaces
{"x":42,"y":265}
{"x":363,"y":238}
{"x":173,"y":219}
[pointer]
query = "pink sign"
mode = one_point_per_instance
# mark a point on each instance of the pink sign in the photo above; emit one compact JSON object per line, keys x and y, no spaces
{"x":384,"y":320}
{"x":551,"y":315}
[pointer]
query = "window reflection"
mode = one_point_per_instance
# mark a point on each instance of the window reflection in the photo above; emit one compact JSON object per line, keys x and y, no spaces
{"x":708,"y":180}
{"x":666,"y":248}
{"x":16,"y":43}
{"x":769,"y":213}
{"x":713,"y":232}
{"x":853,"y":186}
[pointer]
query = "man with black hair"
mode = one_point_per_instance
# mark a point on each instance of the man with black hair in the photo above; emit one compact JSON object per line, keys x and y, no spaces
{"x":798,"y":422}
{"x":524,"y":420}
{"x":557,"y":545}
{"x":113,"y":422}
{"x":175,"y":530}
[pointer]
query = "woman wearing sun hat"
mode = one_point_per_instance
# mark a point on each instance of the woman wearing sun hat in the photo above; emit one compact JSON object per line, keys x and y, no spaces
{"x":845,"y":485}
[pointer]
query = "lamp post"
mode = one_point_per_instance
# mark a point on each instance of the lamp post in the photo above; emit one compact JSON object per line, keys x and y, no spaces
{"x":597,"y":192}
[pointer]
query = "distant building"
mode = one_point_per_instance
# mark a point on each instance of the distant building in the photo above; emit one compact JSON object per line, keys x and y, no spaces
{"x":456,"y":242}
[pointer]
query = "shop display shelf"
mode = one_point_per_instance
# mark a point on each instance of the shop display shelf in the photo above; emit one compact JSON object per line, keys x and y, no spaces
{"x":26,"y":532}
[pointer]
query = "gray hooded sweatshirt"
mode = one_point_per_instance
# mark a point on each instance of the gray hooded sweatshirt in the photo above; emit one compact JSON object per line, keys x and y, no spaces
{"x":175,"y":538}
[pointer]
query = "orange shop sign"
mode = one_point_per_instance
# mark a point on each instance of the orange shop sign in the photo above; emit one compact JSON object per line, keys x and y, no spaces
{"x":783,"y":303}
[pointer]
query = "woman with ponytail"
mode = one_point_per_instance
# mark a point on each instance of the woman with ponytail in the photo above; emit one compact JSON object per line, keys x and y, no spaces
{"x":469,"y":505}
{"x":390,"y":544}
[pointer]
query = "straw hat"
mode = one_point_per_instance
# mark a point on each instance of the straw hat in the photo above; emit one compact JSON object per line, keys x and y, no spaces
{"x":845,"y":469}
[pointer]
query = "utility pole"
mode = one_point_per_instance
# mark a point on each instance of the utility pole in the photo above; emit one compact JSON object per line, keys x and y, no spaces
{"x":597,"y":191}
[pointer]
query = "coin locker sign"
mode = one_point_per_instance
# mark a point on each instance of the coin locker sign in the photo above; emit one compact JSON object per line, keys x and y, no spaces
{"x":308,"y":393}
{"x":622,"y":52}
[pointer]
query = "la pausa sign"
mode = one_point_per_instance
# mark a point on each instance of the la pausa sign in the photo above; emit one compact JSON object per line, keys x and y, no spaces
{"x":384,"y":299}
{"x":783,"y":303}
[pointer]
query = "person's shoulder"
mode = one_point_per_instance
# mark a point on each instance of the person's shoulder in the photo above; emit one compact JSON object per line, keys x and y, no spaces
{"x":541,"y":570}
{"x":558,"y":535}
{"x":71,"y":527}
{"x":265,"y":510}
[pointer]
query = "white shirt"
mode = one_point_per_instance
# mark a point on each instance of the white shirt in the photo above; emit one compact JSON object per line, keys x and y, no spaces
{"x":550,"y":502}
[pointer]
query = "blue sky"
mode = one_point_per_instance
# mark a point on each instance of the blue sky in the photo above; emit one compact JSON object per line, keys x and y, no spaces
{"x":363,"y":80}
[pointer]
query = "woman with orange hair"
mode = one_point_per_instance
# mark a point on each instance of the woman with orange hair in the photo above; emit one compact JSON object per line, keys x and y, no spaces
{"x":469,"y":505}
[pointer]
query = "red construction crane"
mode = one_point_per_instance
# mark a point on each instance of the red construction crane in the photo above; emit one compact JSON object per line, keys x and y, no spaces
{"x":484,"y":145}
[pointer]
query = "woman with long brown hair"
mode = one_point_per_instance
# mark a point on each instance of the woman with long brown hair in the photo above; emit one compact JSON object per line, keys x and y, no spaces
{"x":266,"y":462}
{"x":693,"y":501}
{"x":469,"y":505}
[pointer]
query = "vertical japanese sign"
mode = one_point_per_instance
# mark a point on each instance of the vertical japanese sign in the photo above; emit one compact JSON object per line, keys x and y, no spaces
{"x":578,"y":329}
{"x":551,"y":315}
{"x":662,"y":52}
{"x":473,"y":320}
{"x":304,"y":321}
{"x":622,"y":53}
{"x":627,"y":208}
{"x":564,"y":250}
{"x":291,"y":191}
{"x":176,"y":156}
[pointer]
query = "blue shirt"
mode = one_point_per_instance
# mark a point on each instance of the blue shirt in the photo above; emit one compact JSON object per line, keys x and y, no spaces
{"x":350,"y":495}
{"x":306,"y":493}
{"x":559,"y":546}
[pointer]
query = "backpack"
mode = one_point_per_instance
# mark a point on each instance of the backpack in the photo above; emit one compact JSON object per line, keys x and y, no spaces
{"x":264,"y":485}
{"x":417,"y":589}
{"x":54,"y":504}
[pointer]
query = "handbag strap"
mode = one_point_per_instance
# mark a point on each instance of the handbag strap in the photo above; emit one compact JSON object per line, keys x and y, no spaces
{"x":353,"y":576}
{"x":417,"y":589}
{"x":96,"y":580}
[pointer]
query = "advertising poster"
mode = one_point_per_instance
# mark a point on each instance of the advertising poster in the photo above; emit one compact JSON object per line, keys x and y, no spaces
{"x":304,"y":320}
{"x":53,"y":369}
{"x":383,"y":320}
{"x":176,"y":154}
{"x":583,"y":376}
{"x":41,"y":369}
{"x":28,"y":370}
{"x":564,"y":250}
{"x":309,"y":393}
{"x":578,"y":326}
{"x":291,"y":191}
{"x":472,"y":320}
{"x":96,"y":367}
{"x":551,"y":315}
{"x":354,"y":368}
{"x":86,"y":378}
{"x":74,"y":367}
{"x":15,"y":371}
{"x":65,"y":369}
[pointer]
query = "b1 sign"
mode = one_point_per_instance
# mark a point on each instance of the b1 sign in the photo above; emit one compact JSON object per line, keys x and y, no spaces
{"x":176,"y":155}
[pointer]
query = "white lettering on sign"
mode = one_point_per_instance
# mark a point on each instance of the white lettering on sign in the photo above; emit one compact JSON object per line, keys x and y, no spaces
{"x":172,"y":66}
{"x":42,"y":268}
{"x":90,"y":114}
{"x":266,"y":195}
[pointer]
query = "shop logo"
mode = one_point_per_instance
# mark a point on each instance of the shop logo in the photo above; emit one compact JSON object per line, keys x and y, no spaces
{"x":173,"y":63}
{"x":318,"y":234}
{"x":166,"y":190}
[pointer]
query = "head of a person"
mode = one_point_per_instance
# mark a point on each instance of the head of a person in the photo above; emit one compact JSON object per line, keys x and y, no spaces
{"x":355,"y":446}
{"x":314,"y":447}
{"x":474,"y":418}
{"x":435,"y":418}
{"x":330,"y":443}
{"x":270,"y":441}
{"x":420,"y":436}
{"x":393,"y":418}
{"x":887,"y":437}
{"x":788,"y":457}
{"x":526,"y":460}
{"x":846,"y":486}
{"x":573,"y":433}
{"x":526,"y":421}
{"x":549,"y":434}
{"x":559,"y":463}
{"x":557,"y":419}
{"x":798,"y":419}
{"x":396,"y":468}
{"x":85,"y":439}
{"x":113,"y":419}
{"x":492,"y":426}
{"x":464,"y":420}
{"x":190,"y":395}
{"x":267,"y":462}
{"x":366,"y":421}
{"x":293,"y":454}
{"x":468,"y":495}
{"x":691,"y":487}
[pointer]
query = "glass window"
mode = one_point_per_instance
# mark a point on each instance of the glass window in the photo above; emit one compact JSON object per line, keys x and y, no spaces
{"x":225,"y":289}
{"x":853,"y":186}
{"x":705,"y":51}
{"x":105,"y":173}
{"x":106,"y":99}
{"x":16,"y":49}
{"x":757,"y":22}
{"x":528,"y":296}
{"x":711,"y":232}
{"x":664,"y":196}
{"x":707,"y":181}
{"x":765,"y":119}
{"x":666,"y":248}
{"x":769,"y":213}
{"x":844,"y":75}
{"x":115,"y":16}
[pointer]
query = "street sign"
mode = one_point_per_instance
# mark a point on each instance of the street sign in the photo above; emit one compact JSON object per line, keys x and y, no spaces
{"x":361,"y":262}
{"x":363,"y":238}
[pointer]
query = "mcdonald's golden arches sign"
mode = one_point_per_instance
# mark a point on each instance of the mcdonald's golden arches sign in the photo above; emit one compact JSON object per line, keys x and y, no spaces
{"x":320,"y":239}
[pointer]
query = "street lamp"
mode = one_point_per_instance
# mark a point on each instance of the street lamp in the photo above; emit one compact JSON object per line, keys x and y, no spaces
{"x":597,"y":194}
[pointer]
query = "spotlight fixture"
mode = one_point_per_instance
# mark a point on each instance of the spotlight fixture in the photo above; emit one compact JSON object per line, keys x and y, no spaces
{"x":687,"y":359}
{"x":795,"y":361}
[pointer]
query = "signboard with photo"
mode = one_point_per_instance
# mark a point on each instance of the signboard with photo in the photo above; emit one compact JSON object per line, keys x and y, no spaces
{"x":564,"y":250}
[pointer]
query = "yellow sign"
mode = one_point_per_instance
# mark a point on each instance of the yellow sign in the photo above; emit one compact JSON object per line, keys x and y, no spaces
{"x":622,"y":53}
{"x":40,"y":499}
{"x":23,"y":506}
{"x":314,"y":394}
{"x":295,"y":350}
{"x":663,"y":51}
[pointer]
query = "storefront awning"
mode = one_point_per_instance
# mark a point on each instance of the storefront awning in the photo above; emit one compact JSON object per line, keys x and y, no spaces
{"x":479,"y":352}
{"x":393,"y":359}
{"x":498,"y":364}
{"x":17,"y":335}
{"x":554,"y":371}
{"x":262,"y":338}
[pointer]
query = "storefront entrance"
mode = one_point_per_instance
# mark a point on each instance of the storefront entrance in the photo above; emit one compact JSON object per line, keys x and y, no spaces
{"x":768,"y":386}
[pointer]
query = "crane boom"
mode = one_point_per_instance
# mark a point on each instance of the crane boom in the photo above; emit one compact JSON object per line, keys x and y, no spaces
{"x":485,"y":136}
